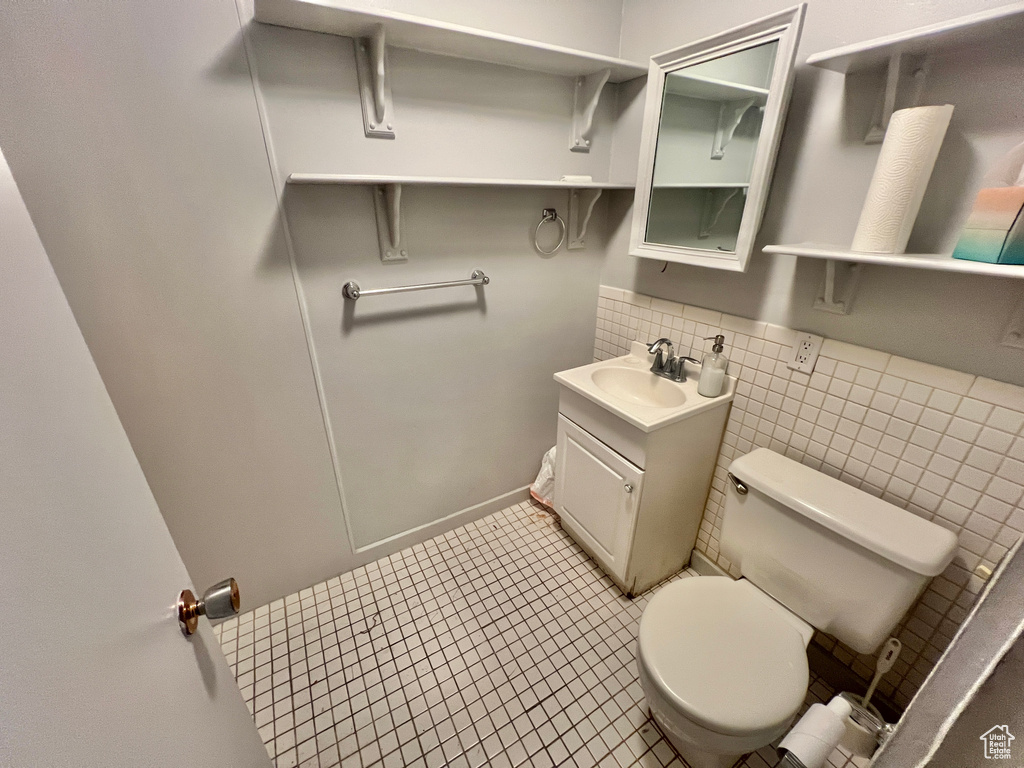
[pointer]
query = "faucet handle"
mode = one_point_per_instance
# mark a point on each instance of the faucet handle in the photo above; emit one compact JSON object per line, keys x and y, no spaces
{"x":673,"y":367}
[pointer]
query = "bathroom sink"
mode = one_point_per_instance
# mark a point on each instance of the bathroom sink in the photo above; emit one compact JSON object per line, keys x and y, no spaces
{"x":640,"y":387}
{"x":625,"y":388}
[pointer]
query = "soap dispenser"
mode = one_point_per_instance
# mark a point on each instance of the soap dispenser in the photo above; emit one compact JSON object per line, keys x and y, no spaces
{"x":712,"y":371}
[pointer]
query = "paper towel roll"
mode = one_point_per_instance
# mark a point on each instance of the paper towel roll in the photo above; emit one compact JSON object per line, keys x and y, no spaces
{"x":905,"y":164}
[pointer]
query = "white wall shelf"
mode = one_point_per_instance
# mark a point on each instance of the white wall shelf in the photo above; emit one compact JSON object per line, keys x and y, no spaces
{"x":374,"y":31}
{"x":448,"y":181}
{"x":442,"y":38}
{"x":894,"y":57}
{"x":1005,"y":22}
{"x":702,"y":185}
{"x":712,"y":89}
{"x":912,"y":51}
{"x":936,"y":261}
{"x":734,"y":99}
{"x":387,"y":201}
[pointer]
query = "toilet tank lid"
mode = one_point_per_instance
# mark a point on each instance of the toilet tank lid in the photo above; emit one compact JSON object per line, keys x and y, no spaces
{"x":893,"y":533}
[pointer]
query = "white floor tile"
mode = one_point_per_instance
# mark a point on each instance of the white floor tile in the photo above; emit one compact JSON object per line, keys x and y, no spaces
{"x":499,"y":643}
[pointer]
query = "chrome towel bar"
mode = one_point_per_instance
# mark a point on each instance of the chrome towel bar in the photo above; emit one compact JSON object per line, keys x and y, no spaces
{"x":353,"y":291}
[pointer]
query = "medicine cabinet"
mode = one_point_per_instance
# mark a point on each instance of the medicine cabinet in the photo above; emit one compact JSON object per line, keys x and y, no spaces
{"x":712,"y":125}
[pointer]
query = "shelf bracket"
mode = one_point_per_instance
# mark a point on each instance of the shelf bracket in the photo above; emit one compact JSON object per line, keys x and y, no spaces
{"x":387,"y":209}
{"x":586,"y":94}
{"x":730,"y":113}
{"x":715,"y":201}
{"x":886,"y":103}
{"x":375,"y":85}
{"x":827,"y":300}
{"x":581,"y":207}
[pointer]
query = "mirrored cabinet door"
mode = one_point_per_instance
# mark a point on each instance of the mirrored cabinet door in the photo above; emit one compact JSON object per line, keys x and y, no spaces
{"x":712,"y":126}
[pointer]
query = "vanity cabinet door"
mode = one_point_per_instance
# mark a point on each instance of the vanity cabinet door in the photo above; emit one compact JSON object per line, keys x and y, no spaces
{"x":597,"y":494}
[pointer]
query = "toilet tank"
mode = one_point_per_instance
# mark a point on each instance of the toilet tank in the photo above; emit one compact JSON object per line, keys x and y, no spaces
{"x":845,"y":561}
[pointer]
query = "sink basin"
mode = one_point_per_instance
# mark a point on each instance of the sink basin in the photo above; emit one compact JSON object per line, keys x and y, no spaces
{"x":625,"y":388}
{"x":640,"y":387}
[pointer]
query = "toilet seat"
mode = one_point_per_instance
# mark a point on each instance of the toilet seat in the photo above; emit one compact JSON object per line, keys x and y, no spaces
{"x":724,"y":655}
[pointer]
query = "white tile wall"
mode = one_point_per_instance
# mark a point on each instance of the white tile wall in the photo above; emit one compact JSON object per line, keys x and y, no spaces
{"x":944,"y":444}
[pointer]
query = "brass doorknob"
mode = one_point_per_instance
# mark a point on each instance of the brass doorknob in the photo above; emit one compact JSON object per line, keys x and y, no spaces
{"x":218,"y":602}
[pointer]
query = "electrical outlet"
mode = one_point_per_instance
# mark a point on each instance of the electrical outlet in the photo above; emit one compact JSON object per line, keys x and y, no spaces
{"x":806,"y":347}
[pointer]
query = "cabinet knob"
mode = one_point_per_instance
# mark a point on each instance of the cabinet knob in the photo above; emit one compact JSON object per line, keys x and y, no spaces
{"x":628,"y":487}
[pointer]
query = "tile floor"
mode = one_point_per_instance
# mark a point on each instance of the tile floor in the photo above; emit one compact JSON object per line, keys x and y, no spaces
{"x":499,"y":643}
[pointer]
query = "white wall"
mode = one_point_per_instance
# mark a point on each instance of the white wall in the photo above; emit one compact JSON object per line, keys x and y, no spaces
{"x":135,"y":136}
{"x":442,"y":400}
{"x":823,"y":174}
{"x":438,"y":402}
{"x":590,"y":25}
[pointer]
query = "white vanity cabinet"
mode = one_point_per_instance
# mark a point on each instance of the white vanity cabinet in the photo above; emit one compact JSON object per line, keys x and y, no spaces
{"x":630,"y":487}
{"x":599,"y":493}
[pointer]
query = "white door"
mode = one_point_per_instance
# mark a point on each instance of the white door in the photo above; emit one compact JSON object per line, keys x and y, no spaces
{"x":597,"y":494}
{"x":94,"y":670}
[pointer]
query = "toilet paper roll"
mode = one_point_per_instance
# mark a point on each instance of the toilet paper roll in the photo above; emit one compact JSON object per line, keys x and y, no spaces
{"x":817,"y":733}
{"x":905,"y":163}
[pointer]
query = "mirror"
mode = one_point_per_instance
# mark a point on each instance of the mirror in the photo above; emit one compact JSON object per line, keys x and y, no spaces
{"x":712,"y":125}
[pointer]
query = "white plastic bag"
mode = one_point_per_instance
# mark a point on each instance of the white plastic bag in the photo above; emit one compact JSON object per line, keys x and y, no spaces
{"x":543,"y":487}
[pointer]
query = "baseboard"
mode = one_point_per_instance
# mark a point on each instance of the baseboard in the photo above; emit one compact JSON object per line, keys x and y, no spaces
{"x":398,"y":542}
{"x":704,"y":565}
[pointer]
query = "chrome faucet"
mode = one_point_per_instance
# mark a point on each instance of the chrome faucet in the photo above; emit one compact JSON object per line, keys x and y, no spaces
{"x":668,"y":365}
{"x":655,"y":349}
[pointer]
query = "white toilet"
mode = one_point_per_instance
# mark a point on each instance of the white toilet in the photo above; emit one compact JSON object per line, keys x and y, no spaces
{"x":723,"y":663}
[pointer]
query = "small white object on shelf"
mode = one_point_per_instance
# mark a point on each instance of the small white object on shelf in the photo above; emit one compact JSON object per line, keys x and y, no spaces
{"x":997,"y":25}
{"x":901,"y":176}
{"x":942,"y":262}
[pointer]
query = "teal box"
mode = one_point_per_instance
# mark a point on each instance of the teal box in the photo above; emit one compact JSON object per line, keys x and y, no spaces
{"x":994,"y":232}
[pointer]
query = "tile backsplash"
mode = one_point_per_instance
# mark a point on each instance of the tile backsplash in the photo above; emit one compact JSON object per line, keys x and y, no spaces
{"x":943,"y":444}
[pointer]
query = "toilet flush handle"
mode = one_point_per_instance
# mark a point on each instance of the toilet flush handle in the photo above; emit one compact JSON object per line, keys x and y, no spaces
{"x":741,"y":488}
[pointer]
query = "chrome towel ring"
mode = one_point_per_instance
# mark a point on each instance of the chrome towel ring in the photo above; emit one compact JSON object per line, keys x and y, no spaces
{"x":549,"y":214}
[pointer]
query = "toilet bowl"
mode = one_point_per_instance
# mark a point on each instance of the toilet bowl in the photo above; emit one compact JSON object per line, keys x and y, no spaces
{"x":723,"y":667}
{"x":723,"y":663}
